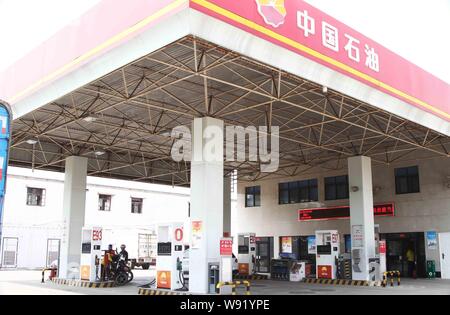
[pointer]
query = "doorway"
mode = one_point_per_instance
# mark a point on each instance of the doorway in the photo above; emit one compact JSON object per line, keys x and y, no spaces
{"x":398,"y":245}
{"x":9,"y":253}
{"x":264,"y":254}
{"x":444,"y":250}
{"x":53,"y":248}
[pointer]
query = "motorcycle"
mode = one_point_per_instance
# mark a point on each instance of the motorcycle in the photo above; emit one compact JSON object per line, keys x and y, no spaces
{"x":120,"y":272}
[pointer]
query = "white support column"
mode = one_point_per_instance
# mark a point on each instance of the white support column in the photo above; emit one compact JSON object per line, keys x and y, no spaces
{"x":276,"y":246}
{"x":206,"y":200}
{"x":74,"y":203}
{"x":362,"y":216}
{"x":227,"y":205}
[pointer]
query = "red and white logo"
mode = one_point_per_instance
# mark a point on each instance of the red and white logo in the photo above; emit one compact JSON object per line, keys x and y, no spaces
{"x":273,"y":11}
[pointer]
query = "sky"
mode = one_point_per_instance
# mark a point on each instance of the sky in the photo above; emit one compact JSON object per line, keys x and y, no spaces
{"x":418,"y":30}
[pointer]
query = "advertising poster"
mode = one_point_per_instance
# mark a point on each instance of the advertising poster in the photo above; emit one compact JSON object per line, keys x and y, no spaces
{"x":358,"y":236}
{"x":432,"y":240}
{"x":286,"y":245}
{"x":325,"y":272}
{"x":164,"y":280}
{"x":311,"y":245}
{"x":226,"y":247}
{"x":85,"y":273}
{"x":197,"y":234}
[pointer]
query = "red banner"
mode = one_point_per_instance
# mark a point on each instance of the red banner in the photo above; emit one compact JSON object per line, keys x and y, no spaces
{"x":302,"y":28}
{"x":343,"y":212}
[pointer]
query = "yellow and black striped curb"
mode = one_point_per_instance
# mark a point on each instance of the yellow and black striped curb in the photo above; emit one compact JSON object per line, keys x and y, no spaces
{"x":355,"y":283}
{"x":143,"y":291}
{"x":234,"y":285}
{"x":251,"y":277}
{"x":83,"y":284}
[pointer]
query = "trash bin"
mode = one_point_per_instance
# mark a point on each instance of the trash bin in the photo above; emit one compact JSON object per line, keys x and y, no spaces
{"x":431,"y":269}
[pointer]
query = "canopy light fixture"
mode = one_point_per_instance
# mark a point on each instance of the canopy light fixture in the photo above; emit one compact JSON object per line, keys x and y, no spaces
{"x":99,"y":153}
{"x":89,"y":119}
{"x":32,"y":141}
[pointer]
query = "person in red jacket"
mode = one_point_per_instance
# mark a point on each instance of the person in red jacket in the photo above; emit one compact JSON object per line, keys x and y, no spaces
{"x":107,"y":260}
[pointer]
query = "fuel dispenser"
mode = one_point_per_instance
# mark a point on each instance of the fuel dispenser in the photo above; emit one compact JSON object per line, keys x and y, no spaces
{"x":169,"y":261}
{"x":246,"y":253}
{"x":377,"y":264}
{"x":91,"y":253}
{"x":328,"y":249}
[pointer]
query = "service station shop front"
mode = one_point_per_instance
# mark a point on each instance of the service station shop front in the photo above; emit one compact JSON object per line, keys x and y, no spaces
{"x":411,"y":206}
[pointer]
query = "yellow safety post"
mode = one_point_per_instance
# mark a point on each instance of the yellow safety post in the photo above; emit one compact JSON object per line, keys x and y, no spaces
{"x":389,"y":275}
{"x":221,"y":284}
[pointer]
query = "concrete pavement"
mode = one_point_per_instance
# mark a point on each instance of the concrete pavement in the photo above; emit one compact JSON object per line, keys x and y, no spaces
{"x":29,"y":283}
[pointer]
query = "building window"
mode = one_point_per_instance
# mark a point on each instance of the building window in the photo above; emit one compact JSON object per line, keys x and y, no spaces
{"x":35,"y":197}
{"x":136,"y":205}
{"x":298,"y":192}
{"x":336,"y":188}
{"x":407,"y":180}
{"x":104,"y":202}
{"x":253,"y":196}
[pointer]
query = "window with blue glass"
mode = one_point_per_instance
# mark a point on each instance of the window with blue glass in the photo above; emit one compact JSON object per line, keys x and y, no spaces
{"x":336,"y":188}
{"x":298,"y":192}
{"x":253,"y":196}
{"x":407,"y":180}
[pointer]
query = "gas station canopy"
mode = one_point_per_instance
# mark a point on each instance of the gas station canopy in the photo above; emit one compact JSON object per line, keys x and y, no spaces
{"x":115,"y":96}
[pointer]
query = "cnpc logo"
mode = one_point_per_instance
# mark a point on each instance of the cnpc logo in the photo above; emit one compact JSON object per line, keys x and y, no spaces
{"x":272,"y":11}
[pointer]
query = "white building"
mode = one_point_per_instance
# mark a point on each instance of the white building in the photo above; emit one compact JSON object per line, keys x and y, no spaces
{"x":33,"y":217}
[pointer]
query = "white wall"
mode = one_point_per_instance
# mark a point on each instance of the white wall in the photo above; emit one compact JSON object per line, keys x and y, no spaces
{"x":428,"y":210}
{"x":34,"y":225}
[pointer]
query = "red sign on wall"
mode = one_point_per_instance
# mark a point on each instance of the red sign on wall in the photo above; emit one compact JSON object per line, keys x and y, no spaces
{"x":226,"y":247}
{"x":335,"y":213}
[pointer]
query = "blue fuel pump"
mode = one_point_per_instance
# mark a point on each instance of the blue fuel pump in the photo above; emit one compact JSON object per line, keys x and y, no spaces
{"x":5,"y":133}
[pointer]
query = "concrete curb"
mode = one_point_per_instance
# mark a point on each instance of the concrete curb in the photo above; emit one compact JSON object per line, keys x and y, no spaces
{"x":143,"y":291}
{"x":84,"y":284}
{"x":251,"y":277}
{"x":355,"y":283}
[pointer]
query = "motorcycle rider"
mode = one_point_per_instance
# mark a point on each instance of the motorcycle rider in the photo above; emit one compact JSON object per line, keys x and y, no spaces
{"x":123,"y":253}
{"x":107,"y":260}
